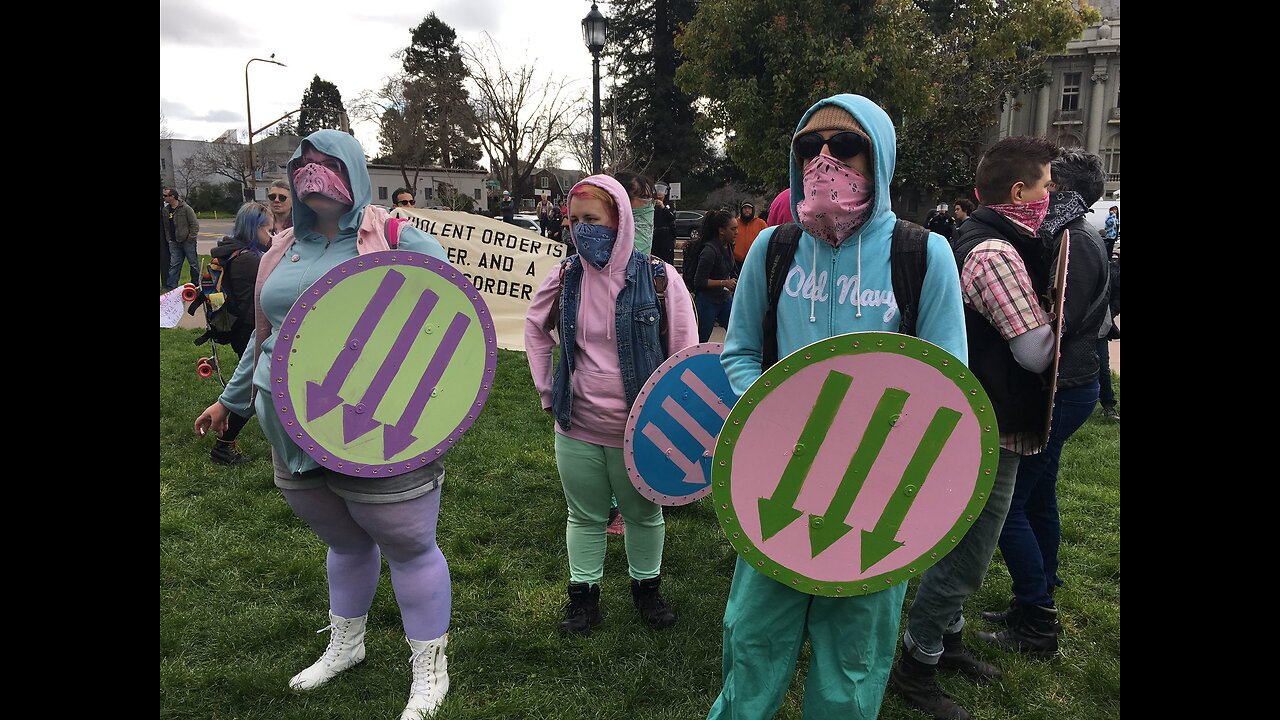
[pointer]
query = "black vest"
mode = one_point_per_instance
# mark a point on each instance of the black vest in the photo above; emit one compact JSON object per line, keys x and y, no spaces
{"x":1020,"y":397}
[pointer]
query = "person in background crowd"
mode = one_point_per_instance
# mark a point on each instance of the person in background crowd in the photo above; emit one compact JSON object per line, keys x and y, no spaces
{"x":749,"y":226}
{"x":281,"y":200}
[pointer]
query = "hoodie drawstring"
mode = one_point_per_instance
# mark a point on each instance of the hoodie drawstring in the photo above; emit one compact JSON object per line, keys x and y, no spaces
{"x":858,"y":300}
{"x":813,"y":271}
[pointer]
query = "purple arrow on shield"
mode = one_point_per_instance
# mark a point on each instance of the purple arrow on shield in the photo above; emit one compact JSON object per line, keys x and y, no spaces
{"x":397,"y":437}
{"x":357,"y":420}
{"x":323,"y":397}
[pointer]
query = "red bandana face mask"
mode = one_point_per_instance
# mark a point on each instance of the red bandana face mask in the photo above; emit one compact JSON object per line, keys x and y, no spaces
{"x":1028,"y":214}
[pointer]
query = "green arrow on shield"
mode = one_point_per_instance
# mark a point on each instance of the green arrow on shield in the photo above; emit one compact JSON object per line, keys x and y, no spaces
{"x":825,"y":531}
{"x":778,"y":511}
{"x":878,"y":542}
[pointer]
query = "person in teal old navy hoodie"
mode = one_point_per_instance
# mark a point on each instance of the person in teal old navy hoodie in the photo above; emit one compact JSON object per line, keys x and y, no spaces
{"x":839,"y":282}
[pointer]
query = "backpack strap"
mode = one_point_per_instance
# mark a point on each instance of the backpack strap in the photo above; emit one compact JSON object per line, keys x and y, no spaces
{"x":393,"y":231}
{"x":782,"y":250}
{"x":553,"y":320}
{"x":909,"y":261}
{"x":659,"y":272}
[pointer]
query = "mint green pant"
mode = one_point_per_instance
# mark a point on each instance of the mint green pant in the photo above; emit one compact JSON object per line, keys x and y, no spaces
{"x":852,"y":644}
{"x":591,"y":474}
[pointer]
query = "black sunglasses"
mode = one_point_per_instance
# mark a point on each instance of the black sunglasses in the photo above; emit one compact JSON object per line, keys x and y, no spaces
{"x":276,"y":197}
{"x":845,"y":144}
{"x":406,"y":202}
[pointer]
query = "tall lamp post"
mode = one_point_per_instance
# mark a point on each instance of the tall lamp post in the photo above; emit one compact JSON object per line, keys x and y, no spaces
{"x":249,"y":114}
{"x":594,"y":27}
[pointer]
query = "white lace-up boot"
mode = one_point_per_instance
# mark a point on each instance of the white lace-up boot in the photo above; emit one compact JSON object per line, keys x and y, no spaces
{"x":346,"y":648}
{"x":430,"y":677}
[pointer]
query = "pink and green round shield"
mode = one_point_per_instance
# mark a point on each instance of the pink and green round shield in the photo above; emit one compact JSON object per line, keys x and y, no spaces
{"x":383,"y":363}
{"x":855,"y":463}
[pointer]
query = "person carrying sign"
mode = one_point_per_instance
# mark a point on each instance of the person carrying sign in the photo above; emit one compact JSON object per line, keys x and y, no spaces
{"x":842,"y":162}
{"x":620,"y":314}
{"x":361,"y":519}
{"x":1003,"y":274}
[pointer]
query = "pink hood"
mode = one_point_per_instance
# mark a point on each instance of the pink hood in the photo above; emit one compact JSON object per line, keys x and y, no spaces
{"x":599,"y":400}
{"x":601,"y":286}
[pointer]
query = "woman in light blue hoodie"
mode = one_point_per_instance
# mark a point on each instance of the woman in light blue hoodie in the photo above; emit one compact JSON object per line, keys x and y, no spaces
{"x":361,"y":520}
{"x":839,"y":282}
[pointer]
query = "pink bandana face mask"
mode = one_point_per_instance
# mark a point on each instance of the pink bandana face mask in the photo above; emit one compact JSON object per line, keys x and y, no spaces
{"x":837,"y":200}
{"x":1029,"y":214}
{"x":313,"y":178}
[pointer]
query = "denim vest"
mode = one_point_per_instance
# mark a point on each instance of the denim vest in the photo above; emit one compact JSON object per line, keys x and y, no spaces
{"x":636,"y":327}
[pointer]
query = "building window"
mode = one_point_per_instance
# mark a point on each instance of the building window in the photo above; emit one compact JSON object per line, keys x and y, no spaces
{"x":426,"y":193}
{"x":162,"y":167}
{"x":1068,"y":140}
{"x":1111,"y":159}
{"x":477,"y":194}
{"x":1071,"y":91}
{"x":544,"y":182}
{"x":382,"y":192}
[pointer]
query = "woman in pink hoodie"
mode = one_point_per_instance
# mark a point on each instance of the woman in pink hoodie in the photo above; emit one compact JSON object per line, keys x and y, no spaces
{"x":618,"y":319}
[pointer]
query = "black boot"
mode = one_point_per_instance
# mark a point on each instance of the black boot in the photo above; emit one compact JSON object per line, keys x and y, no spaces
{"x":958,"y":658}
{"x":583,"y":610}
{"x":648,"y":600}
{"x":227,"y":453}
{"x":917,"y":683}
{"x":1033,"y":632}
{"x":1009,"y":616}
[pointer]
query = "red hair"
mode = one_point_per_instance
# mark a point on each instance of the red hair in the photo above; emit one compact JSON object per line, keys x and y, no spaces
{"x":598,"y":193}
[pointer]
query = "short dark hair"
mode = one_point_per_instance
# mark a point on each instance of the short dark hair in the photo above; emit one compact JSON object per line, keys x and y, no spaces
{"x":172,"y":192}
{"x":1081,"y":171}
{"x":966,"y":205}
{"x":1012,"y":160}
{"x":637,"y":186}
{"x":396,"y":195}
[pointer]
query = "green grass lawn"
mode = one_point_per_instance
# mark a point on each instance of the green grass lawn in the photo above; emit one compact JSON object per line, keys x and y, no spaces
{"x":242,"y":587}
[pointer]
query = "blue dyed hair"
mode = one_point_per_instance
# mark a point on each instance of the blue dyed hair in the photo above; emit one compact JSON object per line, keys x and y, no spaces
{"x":252,"y":216}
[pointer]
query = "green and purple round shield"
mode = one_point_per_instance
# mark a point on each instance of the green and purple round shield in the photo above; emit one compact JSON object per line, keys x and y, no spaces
{"x":855,"y":463}
{"x":383,"y":363}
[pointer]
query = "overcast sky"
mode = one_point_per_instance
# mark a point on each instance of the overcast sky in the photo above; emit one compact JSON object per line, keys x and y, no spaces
{"x":204,"y":45}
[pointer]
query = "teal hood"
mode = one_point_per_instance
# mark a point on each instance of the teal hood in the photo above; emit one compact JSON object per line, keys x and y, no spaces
{"x":347,"y":149}
{"x":884,"y":155}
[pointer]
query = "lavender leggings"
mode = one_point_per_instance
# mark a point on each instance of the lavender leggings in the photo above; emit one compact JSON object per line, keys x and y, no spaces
{"x":405,"y":532}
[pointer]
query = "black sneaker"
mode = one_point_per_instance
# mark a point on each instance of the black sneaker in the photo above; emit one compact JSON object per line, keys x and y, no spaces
{"x":646,"y":598}
{"x":582,"y":611}
{"x":1109,"y":412}
{"x":227,"y":453}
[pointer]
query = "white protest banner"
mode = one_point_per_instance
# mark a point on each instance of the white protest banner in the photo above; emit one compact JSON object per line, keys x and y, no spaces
{"x":505,"y":262}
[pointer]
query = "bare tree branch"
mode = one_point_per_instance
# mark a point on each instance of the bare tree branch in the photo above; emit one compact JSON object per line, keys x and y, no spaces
{"x":517,"y":115}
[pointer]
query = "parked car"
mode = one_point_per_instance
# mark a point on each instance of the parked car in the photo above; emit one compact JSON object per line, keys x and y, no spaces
{"x":524,"y":220}
{"x":687,"y":222}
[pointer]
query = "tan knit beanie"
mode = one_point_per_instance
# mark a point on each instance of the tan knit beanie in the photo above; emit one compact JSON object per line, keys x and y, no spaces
{"x":830,"y":117}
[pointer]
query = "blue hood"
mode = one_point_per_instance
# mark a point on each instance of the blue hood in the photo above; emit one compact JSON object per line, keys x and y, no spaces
{"x":884,"y":155}
{"x":347,"y":149}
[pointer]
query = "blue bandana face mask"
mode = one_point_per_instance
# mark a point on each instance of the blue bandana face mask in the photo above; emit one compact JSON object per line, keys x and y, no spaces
{"x":595,"y":243}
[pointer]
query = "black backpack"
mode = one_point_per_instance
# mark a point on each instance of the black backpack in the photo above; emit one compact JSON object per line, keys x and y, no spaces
{"x":692,"y":251}
{"x":908,"y":258}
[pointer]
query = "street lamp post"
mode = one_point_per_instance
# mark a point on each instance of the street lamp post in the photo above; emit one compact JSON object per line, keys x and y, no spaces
{"x":594,"y":34}
{"x":249,"y":113}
